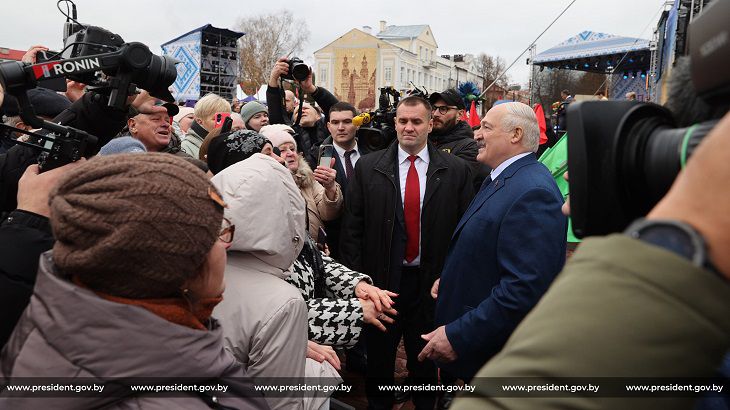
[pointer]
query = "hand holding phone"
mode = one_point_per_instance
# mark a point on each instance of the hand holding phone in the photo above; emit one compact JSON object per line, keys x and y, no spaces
{"x":220,"y":118}
{"x":326,"y":153}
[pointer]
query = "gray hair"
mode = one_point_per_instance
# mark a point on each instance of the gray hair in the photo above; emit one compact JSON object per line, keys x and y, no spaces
{"x":520,"y":115}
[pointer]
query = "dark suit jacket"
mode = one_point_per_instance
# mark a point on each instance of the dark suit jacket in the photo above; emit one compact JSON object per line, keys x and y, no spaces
{"x":505,"y":252}
{"x":373,"y":239}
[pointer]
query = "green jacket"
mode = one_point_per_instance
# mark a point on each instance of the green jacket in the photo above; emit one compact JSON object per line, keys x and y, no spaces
{"x":620,"y":308}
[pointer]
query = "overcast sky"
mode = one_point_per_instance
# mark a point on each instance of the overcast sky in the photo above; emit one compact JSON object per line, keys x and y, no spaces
{"x":502,"y":28}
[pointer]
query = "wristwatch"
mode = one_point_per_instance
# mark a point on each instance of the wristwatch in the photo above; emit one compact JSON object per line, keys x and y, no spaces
{"x":674,"y":236}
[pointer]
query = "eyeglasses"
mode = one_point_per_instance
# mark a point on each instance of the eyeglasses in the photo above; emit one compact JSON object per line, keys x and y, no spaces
{"x":443,"y":109}
{"x":227,"y":231}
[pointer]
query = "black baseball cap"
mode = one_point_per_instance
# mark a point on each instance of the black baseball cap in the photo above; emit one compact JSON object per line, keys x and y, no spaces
{"x":450,"y":97}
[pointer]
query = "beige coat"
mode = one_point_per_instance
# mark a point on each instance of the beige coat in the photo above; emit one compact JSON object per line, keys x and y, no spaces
{"x":264,"y":318}
{"x":319,"y":208}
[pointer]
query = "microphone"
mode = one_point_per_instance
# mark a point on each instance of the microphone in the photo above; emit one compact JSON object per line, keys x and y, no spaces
{"x":361,"y":119}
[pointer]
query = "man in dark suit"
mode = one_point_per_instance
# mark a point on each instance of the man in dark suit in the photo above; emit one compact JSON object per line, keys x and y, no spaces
{"x":402,"y":206}
{"x":347,"y":153}
{"x":506,"y":250}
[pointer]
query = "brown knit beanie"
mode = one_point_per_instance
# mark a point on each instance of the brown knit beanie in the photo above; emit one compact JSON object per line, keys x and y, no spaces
{"x":135,"y":226}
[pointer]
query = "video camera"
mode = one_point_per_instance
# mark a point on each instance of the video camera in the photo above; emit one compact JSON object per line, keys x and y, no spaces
{"x":623,"y":156}
{"x":381,"y":131}
{"x":108,"y":66}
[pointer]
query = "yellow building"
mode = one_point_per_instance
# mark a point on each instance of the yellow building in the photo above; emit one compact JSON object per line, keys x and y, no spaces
{"x":358,"y":63}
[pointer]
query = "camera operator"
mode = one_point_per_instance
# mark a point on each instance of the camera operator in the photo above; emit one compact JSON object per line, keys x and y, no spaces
{"x":46,"y":103}
{"x":312,"y":129}
{"x":90,"y":113}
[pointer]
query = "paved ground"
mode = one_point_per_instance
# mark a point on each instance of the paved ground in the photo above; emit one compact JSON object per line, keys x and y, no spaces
{"x":356,"y":398}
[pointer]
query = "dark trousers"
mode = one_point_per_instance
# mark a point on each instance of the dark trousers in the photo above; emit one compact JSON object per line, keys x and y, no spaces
{"x":382,"y":348}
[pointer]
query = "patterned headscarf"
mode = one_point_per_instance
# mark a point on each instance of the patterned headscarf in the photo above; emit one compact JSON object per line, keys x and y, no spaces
{"x":227,"y":149}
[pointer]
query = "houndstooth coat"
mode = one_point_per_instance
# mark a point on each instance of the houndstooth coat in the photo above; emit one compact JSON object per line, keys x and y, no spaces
{"x":328,"y":287}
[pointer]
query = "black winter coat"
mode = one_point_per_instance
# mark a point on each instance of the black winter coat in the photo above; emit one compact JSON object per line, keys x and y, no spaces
{"x":24,"y":236}
{"x":373,"y":206}
{"x":310,"y":138}
{"x":459,"y":141}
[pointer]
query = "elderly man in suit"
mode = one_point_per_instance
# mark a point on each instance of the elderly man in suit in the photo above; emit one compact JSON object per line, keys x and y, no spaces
{"x":506,"y":250}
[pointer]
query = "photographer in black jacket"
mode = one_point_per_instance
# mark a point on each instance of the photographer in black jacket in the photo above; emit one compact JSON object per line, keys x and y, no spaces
{"x":311,"y":131}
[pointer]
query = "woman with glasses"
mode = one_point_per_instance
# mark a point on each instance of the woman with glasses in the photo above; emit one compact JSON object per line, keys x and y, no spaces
{"x":128,"y":290}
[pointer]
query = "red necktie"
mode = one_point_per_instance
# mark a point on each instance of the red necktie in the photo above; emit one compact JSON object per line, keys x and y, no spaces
{"x":412,"y":211}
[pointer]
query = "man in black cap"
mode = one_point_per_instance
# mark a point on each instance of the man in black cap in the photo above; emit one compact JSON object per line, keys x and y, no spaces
{"x":452,"y":135}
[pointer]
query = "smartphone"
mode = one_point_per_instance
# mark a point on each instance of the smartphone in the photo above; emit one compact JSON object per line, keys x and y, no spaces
{"x":220,"y":118}
{"x":326,"y":152}
{"x":227,"y":124}
{"x":321,"y":238}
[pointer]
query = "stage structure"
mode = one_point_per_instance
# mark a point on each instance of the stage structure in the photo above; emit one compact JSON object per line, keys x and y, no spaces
{"x":209,"y":62}
{"x":629,"y":60}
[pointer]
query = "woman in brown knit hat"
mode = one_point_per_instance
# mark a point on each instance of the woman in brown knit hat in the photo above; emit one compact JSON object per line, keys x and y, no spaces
{"x":129,"y":287}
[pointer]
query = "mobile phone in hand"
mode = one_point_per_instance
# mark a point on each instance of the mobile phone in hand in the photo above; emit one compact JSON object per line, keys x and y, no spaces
{"x":326,"y":152}
{"x":321,"y":238}
{"x":220,"y":118}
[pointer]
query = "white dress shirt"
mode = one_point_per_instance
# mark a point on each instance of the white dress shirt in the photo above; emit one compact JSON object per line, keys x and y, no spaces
{"x":421,"y":164}
{"x":341,"y":153}
{"x":501,"y":167}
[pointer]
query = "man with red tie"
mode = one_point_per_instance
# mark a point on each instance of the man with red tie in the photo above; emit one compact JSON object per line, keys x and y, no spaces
{"x":402,"y":206}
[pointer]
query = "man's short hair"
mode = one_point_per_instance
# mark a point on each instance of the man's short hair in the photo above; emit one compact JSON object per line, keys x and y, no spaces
{"x":209,"y":105}
{"x":566,"y":92}
{"x":344,"y":106}
{"x":521,"y":115}
{"x":414,"y":100}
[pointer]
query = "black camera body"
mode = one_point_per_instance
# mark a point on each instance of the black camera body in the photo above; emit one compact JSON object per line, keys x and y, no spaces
{"x":108,"y":66}
{"x":623,"y":156}
{"x":381,"y":130}
{"x":298,"y":70}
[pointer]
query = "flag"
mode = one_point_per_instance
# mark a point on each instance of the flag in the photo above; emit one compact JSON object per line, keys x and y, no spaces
{"x":540,"y":114}
{"x":464,"y":117}
{"x":473,"y":116}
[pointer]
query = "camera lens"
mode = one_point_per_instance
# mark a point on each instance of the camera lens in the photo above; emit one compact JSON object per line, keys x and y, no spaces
{"x":300,"y":71}
{"x":623,"y":157}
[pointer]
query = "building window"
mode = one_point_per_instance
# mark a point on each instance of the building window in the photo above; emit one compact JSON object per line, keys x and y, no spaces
{"x":420,"y":78}
{"x":323,"y":74}
{"x":402,"y":74}
{"x":388,"y":74}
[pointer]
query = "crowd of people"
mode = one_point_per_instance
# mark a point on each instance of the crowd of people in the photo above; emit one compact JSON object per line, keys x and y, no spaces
{"x":179,"y":250}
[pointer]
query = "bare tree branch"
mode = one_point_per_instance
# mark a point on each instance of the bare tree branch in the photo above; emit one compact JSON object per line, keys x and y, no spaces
{"x":268,"y":37}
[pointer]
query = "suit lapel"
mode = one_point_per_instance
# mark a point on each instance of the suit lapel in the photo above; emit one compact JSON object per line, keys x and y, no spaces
{"x":479,"y":201}
{"x":495,"y":186}
{"x":341,"y":174}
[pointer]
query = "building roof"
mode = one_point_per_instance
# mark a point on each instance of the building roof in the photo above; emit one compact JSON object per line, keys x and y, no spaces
{"x":398,"y":32}
{"x":10,"y":54}
{"x":591,"y":44}
{"x":363,"y":32}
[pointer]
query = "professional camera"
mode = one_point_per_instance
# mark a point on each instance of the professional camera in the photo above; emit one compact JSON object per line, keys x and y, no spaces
{"x":108,"y":66}
{"x":297,"y":70}
{"x":623,"y":156}
{"x":381,"y":132}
